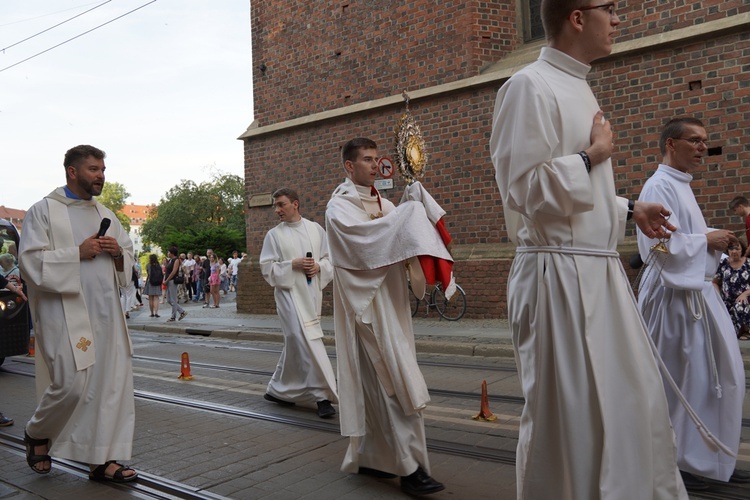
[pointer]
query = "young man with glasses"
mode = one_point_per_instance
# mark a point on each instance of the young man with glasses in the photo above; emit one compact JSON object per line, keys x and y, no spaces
{"x":687,"y":318}
{"x":596,"y":422}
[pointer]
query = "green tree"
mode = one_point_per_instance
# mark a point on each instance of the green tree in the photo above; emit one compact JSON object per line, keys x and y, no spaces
{"x":114,"y":196}
{"x":190,"y":216}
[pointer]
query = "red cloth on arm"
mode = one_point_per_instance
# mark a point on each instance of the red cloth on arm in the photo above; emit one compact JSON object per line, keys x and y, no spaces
{"x":434,"y":268}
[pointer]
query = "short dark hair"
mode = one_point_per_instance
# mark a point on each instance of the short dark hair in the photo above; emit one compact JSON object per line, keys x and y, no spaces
{"x":74,"y":156}
{"x":674,"y":129}
{"x":740,"y":244}
{"x":285,"y":191}
{"x":173,"y":250}
{"x":351,"y":149}
{"x":554,"y":13}
{"x":737,"y":201}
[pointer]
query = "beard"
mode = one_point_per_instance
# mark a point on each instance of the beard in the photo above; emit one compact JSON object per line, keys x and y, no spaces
{"x":90,"y":188}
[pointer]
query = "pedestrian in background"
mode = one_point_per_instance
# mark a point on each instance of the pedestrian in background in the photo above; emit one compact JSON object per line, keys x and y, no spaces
{"x":164,"y":284}
{"x":189,"y":266}
{"x":741,"y":208}
{"x":154,"y":282}
{"x":214,"y":280}
{"x":198,"y":278}
{"x":233,"y":266}
{"x":171,"y":271}
{"x":732,"y":280}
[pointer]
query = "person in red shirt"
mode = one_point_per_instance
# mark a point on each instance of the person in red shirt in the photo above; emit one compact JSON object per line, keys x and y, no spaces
{"x":741,"y":208}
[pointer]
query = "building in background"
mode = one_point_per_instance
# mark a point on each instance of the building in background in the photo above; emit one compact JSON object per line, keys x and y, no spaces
{"x":325,"y":72}
{"x":13,"y":215}
{"x":138,"y":215}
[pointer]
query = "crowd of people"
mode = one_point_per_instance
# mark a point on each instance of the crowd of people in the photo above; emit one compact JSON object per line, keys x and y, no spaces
{"x":195,"y":278}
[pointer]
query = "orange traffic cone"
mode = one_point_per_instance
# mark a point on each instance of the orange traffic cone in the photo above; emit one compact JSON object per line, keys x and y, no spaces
{"x":484,"y":411}
{"x":32,"y":348}
{"x":185,"y":368}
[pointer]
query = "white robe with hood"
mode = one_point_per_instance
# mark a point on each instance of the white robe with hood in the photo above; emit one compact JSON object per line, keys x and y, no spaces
{"x":83,"y":351}
{"x":595,"y":423}
{"x":692,"y":329}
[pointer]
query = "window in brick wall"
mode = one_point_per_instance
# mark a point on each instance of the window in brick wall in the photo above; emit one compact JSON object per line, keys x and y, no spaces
{"x":532,"y":20}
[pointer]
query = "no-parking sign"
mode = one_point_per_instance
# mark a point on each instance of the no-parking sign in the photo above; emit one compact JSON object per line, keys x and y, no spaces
{"x":386,"y":167}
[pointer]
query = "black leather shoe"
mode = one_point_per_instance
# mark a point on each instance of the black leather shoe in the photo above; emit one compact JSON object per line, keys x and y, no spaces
{"x":739,"y":476}
{"x":276,"y":400}
{"x":366,"y":471}
{"x":420,"y":483}
{"x":325,"y":409}
{"x":692,"y":482}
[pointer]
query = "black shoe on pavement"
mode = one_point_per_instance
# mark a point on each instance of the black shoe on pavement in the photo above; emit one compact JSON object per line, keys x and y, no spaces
{"x":276,"y":400}
{"x":693,"y":482}
{"x":5,"y":421}
{"x":739,"y":476}
{"x":325,"y":410}
{"x":420,"y":483}
{"x":366,"y":471}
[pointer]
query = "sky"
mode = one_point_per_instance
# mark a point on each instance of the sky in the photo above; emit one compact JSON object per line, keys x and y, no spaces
{"x":165,"y":91}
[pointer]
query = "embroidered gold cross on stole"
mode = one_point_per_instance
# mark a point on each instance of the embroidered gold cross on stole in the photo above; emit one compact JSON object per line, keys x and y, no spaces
{"x":83,"y":344}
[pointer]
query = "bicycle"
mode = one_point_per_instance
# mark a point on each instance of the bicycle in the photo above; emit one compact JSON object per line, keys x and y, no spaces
{"x":452,"y":309}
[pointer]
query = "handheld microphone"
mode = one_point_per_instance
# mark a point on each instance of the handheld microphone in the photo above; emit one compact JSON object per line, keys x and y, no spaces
{"x":103,"y":227}
{"x":309,"y":278}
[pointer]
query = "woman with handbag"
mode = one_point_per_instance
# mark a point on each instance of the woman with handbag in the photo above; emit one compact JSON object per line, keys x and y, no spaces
{"x":173,"y":268}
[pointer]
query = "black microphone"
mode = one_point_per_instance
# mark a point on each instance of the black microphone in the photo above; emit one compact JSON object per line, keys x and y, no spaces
{"x":309,"y":278}
{"x":103,"y":227}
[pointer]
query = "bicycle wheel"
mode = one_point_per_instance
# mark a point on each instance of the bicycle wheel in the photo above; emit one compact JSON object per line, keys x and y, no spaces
{"x":413,"y":302}
{"x":452,"y":309}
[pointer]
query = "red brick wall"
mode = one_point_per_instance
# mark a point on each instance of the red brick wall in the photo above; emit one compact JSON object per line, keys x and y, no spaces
{"x":323,"y":55}
{"x":639,"y":92}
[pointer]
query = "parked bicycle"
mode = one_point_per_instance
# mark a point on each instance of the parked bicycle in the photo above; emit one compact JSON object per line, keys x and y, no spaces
{"x":451,"y":309}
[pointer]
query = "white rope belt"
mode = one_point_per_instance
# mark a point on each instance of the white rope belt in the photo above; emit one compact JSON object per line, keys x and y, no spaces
{"x":591,"y":252}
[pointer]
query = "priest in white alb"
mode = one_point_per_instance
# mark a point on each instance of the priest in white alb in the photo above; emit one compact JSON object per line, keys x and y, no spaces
{"x":595,"y":423}
{"x":382,"y":391}
{"x":294,"y":261}
{"x":686,"y":315}
{"x":84,"y":374}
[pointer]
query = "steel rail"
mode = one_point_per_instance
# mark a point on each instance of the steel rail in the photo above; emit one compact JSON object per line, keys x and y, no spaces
{"x":147,"y":485}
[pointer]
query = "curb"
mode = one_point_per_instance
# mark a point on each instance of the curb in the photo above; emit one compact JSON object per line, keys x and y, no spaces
{"x":500,"y":350}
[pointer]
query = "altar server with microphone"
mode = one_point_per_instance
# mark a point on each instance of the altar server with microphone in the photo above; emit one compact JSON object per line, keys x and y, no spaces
{"x":294,"y":260}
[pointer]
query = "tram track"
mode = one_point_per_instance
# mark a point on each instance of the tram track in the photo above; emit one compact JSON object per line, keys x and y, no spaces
{"x":253,"y":371}
{"x":441,"y":446}
{"x":147,"y":485}
{"x":152,"y":486}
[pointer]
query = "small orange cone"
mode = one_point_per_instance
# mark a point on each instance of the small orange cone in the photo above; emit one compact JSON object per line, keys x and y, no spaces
{"x":32,"y":346}
{"x":484,"y":411}
{"x":185,"y":368}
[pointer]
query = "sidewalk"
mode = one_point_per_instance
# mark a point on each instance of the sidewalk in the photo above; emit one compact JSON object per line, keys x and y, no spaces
{"x":471,"y":337}
{"x":467,"y":337}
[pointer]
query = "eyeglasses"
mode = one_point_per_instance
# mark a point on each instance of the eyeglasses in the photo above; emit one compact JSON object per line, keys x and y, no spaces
{"x":693,"y":140}
{"x":609,"y":7}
